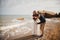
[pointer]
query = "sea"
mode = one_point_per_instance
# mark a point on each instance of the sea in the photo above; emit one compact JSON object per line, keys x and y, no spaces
{"x":10,"y":26}
{"x":11,"y":19}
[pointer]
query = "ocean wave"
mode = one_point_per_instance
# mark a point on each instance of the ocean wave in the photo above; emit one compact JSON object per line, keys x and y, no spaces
{"x":21,"y":28}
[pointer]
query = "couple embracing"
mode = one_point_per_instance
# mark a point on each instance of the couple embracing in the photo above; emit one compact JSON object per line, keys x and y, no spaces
{"x":41,"y":16}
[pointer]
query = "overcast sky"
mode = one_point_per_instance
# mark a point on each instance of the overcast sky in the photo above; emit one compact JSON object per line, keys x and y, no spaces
{"x":25,"y":7}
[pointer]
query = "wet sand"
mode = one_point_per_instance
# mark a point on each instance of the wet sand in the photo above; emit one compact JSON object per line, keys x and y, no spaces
{"x":51,"y":31}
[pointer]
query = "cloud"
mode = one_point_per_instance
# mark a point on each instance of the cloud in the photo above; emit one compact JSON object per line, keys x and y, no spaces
{"x":25,"y":7}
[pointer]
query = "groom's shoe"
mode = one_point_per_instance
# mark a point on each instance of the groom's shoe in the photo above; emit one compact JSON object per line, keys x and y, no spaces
{"x":38,"y":35}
